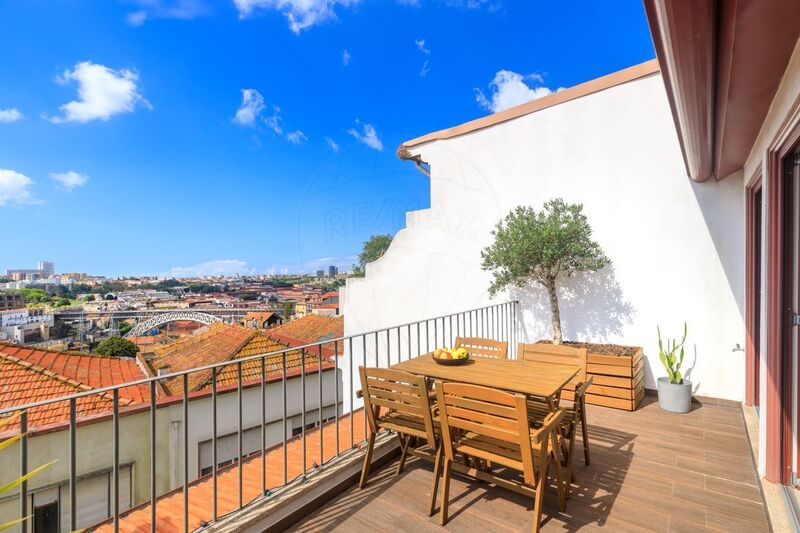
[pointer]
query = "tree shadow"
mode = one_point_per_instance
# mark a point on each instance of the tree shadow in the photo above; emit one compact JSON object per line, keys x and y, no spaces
{"x":593,"y":308}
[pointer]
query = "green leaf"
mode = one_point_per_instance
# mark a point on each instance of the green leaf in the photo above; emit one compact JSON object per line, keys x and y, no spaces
{"x":8,"y":442}
{"x":13,"y":523}
{"x":10,"y":485}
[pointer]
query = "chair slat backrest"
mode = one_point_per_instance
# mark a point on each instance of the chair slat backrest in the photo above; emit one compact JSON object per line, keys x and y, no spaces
{"x":555,"y":354}
{"x":483,"y":347}
{"x":496,"y":421}
{"x":397,"y":393}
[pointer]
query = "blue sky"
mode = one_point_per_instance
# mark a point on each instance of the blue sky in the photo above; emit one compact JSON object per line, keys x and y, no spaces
{"x":199,"y":136}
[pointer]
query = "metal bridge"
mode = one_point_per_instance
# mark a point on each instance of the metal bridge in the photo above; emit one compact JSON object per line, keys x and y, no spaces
{"x":145,"y":320}
{"x":72,"y":314}
{"x":153,"y":322}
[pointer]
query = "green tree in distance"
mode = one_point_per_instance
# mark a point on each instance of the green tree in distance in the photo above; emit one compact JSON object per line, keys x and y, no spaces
{"x":116,"y":347}
{"x":374,"y":248}
{"x":541,"y":247}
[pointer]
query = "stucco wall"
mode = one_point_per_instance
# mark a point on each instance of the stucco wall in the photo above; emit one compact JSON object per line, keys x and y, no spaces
{"x":676,"y":246}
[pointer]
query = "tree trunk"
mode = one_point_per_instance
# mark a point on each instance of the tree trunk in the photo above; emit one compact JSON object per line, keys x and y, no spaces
{"x":555,"y":314}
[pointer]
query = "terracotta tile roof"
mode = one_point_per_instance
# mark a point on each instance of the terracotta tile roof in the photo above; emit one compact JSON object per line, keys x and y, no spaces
{"x":261,"y":344}
{"x":220,"y":342}
{"x":312,"y":328}
{"x":89,"y":370}
{"x":261,"y":316}
{"x":169,"y":510}
{"x":22,"y":382}
{"x":226,"y":342}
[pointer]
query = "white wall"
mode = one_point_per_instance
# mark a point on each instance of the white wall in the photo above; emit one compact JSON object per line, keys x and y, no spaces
{"x":676,"y":246}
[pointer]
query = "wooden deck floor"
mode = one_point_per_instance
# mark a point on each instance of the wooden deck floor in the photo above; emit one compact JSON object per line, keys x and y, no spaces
{"x":650,"y":471}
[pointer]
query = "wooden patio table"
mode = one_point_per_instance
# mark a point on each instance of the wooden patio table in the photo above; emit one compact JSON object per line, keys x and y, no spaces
{"x":541,"y":380}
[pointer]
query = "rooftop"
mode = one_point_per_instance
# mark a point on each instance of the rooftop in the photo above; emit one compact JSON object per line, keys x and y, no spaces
{"x":88,"y":370}
{"x":312,"y":328}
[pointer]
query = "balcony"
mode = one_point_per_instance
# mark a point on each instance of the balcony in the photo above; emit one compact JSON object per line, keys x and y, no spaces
{"x":651,"y":470}
{"x":270,"y":437}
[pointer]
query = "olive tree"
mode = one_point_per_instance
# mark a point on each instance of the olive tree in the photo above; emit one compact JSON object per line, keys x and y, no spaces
{"x":542,"y":247}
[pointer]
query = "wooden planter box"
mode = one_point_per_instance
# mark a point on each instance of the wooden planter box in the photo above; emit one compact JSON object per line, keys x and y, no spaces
{"x":617,"y":380}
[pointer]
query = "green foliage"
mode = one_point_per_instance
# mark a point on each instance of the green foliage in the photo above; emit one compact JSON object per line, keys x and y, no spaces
{"x":201,"y":288}
{"x":124,"y":328}
{"x":374,"y":248}
{"x":116,"y":347}
{"x":62,"y":302}
{"x":540,"y":246}
{"x":672,"y":356}
{"x":88,"y":298}
{"x":35,"y":296}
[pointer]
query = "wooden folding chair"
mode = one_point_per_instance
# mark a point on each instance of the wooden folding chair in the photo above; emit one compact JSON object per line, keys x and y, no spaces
{"x":493,"y":425}
{"x":483,"y":347}
{"x":576,"y":413}
{"x":398,"y":401}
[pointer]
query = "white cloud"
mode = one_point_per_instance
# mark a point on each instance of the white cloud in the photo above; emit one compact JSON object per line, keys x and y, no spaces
{"x":251,"y":107}
{"x":426,"y":65}
{"x":296,"y":137}
{"x":10,"y":115}
{"x":15,"y":188}
{"x":332,"y":144}
{"x":166,"y":9}
{"x":136,"y":18}
{"x":70,"y":180}
{"x":275,"y":121}
{"x":218,"y":267}
{"x":509,"y":89}
{"x":102,"y":93}
{"x":300,"y":14}
{"x":367,"y":136}
{"x":346,"y":57}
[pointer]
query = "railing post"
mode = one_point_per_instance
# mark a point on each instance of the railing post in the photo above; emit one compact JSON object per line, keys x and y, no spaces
{"x":153,"y":495}
{"x":285,"y":429}
{"x":185,"y":453}
{"x":115,"y":398}
{"x":239,"y":429}
{"x":263,"y":426}
{"x":336,"y":390}
{"x":73,"y":474}
{"x":319,"y":378}
{"x":303,"y":415}
{"x":214,"y":441}
{"x":23,"y":470}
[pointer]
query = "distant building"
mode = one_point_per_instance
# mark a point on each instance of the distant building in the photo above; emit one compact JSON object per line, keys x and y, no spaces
{"x":11,"y":300}
{"x":262,"y":320}
{"x":47,"y":268}
{"x":26,"y":324}
{"x":332,"y":271}
{"x":320,"y":273}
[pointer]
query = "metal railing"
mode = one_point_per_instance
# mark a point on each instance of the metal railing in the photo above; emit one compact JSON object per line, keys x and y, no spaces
{"x":382,"y":348}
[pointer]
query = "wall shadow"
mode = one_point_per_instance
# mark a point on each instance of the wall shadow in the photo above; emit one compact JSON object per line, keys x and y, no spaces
{"x":593,"y":308}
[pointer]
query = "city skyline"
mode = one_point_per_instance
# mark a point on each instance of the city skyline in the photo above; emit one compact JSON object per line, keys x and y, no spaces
{"x":191,"y":138}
